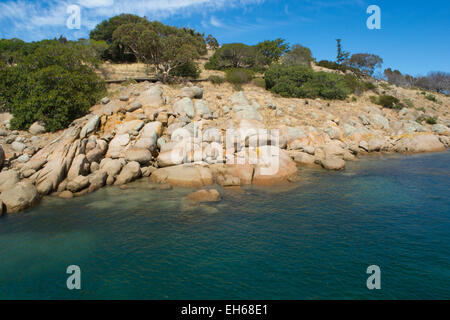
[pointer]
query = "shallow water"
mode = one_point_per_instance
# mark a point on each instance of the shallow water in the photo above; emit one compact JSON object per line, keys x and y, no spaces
{"x":312,"y":241}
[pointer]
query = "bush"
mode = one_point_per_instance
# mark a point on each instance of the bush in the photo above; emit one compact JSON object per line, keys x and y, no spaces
{"x":431,"y":97}
{"x":239,"y":76}
{"x":233,"y":55}
{"x":259,"y":82}
{"x":187,"y":70}
{"x":303,"y":82}
{"x":431,"y":120}
{"x":54,"y":85}
{"x":387,"y":101}
{"x":217,"y":79}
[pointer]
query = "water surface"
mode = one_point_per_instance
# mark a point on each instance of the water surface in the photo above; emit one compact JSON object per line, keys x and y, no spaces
{"x":314,"y":240}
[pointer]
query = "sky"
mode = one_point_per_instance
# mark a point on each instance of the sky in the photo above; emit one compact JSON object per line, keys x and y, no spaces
{"x":414,"y":36}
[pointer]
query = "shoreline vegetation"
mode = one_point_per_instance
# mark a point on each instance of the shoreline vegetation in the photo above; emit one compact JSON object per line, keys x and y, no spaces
{"x":265,"y":111}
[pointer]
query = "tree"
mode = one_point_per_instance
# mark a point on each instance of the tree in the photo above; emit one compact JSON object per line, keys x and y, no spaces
{"x":164,"y":47}
{"x":298,"y":55}
{"x":365,"y":62}
{"x":342,"y":56}
{"x":105,"y":30}
{"x":55,"y":84}
{"x":439,"y":81}
{"x":233,"y":55}
{"x":212,"y":42}
{"x":271,"y":50}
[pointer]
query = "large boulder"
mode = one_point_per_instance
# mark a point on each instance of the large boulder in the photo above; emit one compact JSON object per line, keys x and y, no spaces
{"x":90,"y":126}
{"x":186,"y":106}
{"x":419,"y":143}
{"x":8,"y":179}
{"x":59,"y":156}
{"x":149,"y":136}
{"x":129,"y":127}
{"x":117,"y":145}
{"x":191,"y":92}
{"x":141,"y":155}
{"x":36,"y":128}
{"x":20,"y":197}
{"x":78,"y":167}
{"x":112,"y":166}
{"x":189,"y":176}
{"x":238,"y":98}
{"x":129,"y":173}
{"x":151,"y":98}
{"x":246,"y":112}
{"x":18,"y":146}
{"x":97,"y":180}
{"x":77,"y":184}
{"x":441,"y":130}
{"x":274,"y":166}
{"x":202,"y":109}
{"x":333,"y":163}
{"x":223,"y":172}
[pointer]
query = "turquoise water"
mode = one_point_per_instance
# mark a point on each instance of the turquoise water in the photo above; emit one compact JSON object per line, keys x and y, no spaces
{"x":313,"y":240}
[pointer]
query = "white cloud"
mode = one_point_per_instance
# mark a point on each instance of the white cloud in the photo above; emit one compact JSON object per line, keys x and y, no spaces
{"x":215,"y":22}
{"x":95,"y":3}
{"x":30,"y":19}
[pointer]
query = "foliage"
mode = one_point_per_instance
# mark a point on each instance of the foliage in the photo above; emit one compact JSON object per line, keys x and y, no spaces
{"x":387,"y":101}
{"x":187,"y":70}
{"x":365,"y":62}
{"x":259,"y":82}
{"x":342,"y":56}
{"x":233,"y":55}
{"x":431,"y":120}
{"x":212,"y":42}
{"x":239,"y":77}
{"x":298,"y":55}
{"x":431,"y":97}
{"x":271,"y":50}
{"x":55,"y":84}
{"x":303,"y":82}
{"x":165,"y":47}
{"x":104,"y":32}
{"x":217,"y":79}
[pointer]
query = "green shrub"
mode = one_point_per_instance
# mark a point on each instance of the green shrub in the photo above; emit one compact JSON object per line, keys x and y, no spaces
{"x":54,"y":85}
{"x":387,"y":101}
{"x":187,"y":70}
{"x":431,"y":97}
{"x":259,"y":82}
{"x":409,"y":103}
{"x":431,"y":120}
{"x":239,"y":76}
{"x":303,"y":82}
{"x":217,"y":79}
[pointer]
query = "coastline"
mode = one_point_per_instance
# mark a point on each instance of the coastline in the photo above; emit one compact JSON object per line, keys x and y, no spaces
{"x":143,"y":134}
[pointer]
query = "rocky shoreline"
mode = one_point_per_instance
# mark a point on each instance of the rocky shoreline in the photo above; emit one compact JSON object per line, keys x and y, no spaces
{"x":195,"y":137}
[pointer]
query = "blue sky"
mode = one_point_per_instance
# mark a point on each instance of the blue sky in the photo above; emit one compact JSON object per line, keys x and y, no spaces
{"x":414,"y":35}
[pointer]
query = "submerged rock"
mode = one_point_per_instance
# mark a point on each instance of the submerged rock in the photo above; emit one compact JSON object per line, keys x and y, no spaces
{"x":204,"y":196}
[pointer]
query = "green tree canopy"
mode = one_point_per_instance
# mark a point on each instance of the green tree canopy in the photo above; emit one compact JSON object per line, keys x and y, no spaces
{"x":365,"y":62}
{"x":271,"y":50}
{"x":56,"y":84}
{"x":298,"y":55}
{"x":233,"y":55}
{"x":164,"y":47}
